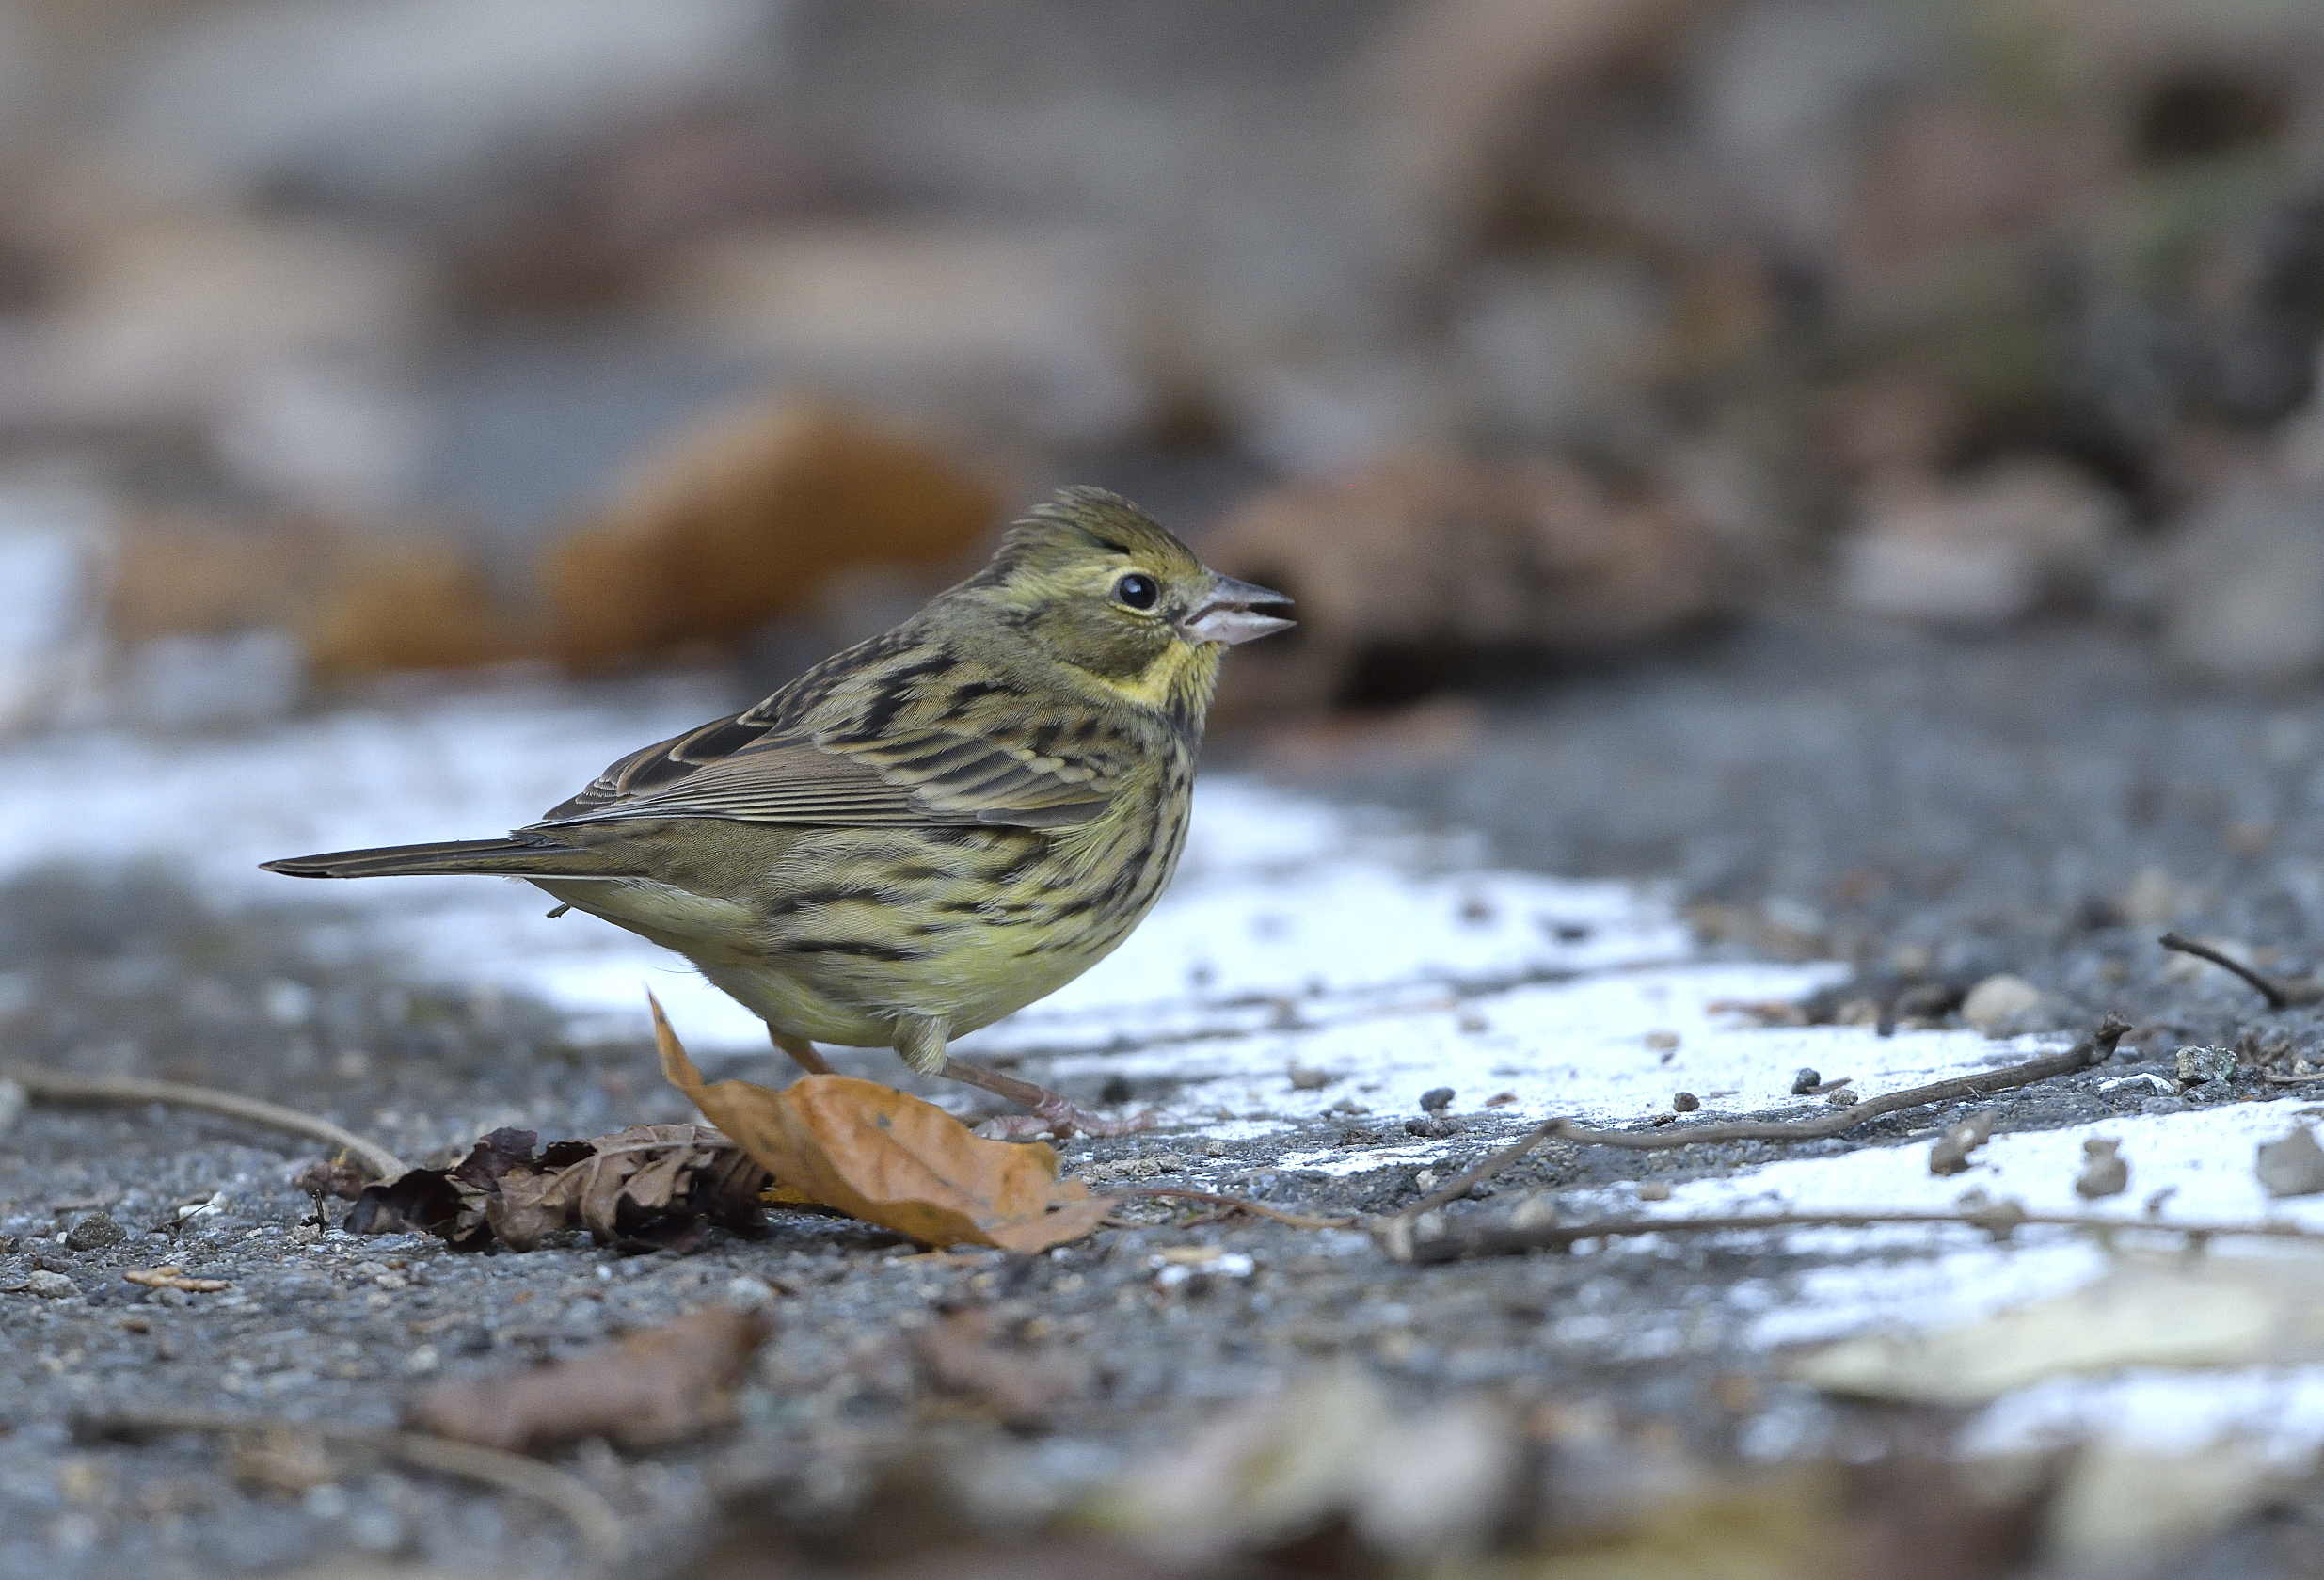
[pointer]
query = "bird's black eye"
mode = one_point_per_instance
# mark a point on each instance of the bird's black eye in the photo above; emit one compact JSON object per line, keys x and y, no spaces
{"x":1138,"y":591}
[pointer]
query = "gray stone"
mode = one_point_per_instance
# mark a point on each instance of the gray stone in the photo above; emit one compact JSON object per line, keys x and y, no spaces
{"x":2199,"y":1064}
{"x":1995,"y":1005}
{"x":1950,"y":1155}
{"x":2104,"y":1173}
{"x":2293,"y":1165}
{"x":97,"y":1232}
{"x":49,"y":1286}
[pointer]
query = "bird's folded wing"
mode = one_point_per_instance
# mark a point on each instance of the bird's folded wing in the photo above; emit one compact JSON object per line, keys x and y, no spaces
{"x":911,"y":776}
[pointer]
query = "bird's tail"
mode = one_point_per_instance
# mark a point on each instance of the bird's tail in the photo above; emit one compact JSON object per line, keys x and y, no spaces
{"x":516,"y":857}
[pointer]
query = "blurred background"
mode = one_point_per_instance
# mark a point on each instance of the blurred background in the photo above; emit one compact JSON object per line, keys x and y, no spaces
{"x":343,"y":340}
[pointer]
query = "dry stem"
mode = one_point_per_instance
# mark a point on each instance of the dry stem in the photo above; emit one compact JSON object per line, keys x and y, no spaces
{"x":1507,"y":1239}
{"x":593,"y":1518}
{"x":55,"y":1086}
{"x":2280,"y":996}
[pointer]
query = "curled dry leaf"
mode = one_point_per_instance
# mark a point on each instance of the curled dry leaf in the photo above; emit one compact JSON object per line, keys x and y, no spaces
{"x":666,"y":1385}
{"x":890,"y":1159}
{"x":652,"y":1185}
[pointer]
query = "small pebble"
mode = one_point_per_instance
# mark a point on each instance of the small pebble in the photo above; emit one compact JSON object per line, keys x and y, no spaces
{"x":49,"y":1286}
{"x":1663,"y":1041}
{"x":1999,"y":1000}
{"x":1654,"y":1191}
{"x":2199,"y":1064}
{"x":1950,"y":1155}
{"x":1806,"y":1081}
{"x":2293,"y":1165}
{"x":97,"y":1232}
{"x":1306,"y":1079}
{"x":1686,"y":1102}
{"x":1436,"y":1099}
{"x":1843,"y":1098}
{"x":2104,"y":1173}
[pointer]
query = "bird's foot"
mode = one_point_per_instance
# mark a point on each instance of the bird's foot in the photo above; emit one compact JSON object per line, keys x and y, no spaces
{"x":1052,"y":1115}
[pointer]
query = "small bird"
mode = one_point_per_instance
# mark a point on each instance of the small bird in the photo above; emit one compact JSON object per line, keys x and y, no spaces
{"x":927,"y":830}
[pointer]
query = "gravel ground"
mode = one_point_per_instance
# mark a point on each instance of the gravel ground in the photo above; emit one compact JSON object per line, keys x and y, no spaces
{"x":1930,"y":811}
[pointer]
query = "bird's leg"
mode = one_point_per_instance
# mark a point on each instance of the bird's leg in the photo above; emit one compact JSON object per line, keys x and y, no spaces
{"x":921,"y":1041}
{"x":801,"y":1052}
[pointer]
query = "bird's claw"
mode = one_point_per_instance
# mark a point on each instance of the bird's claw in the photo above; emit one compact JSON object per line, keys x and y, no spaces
{"x":1055,"y":1116}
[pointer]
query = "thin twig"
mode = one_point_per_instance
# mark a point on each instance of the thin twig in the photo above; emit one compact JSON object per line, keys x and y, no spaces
{"x":55,"y":1086}
{"x":593,"y":1518}
{"x":1243,"y":1203}
{"x":2279,"y":1077}
{"x":2280,"y":996}
{"x":1477,"y":1174}
{"x":569,"y":1495}
{"x":1508,"y":1240}
{"x":2094,"y":1049}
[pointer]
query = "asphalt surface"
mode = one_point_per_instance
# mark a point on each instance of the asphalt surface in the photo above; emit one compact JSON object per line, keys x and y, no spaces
{"x":1932,"y":809}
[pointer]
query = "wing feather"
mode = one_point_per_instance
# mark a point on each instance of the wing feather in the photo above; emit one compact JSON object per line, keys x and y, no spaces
{"x":893,"y":732}
{"x":928,"y":777}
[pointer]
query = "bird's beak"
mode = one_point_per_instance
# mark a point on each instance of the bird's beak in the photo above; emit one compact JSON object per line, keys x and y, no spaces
{"x":1233,"y":611}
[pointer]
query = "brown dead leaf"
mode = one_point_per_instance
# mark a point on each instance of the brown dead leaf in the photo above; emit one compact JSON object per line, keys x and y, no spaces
{"x":627,"y":1186}
{"x":741,"y":520}
{"x":673,"y":1382}
{"x":360,"y":603}
{"x":890,"y":1159}
{"x":967,"y":1352}
{"x":651,"y":1184}
{"x":174,"y":1278}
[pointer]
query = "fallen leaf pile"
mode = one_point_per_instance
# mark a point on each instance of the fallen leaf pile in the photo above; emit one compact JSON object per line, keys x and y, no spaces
{"x":889,"y":1158}
{"x":647,"y":1186}
{"x":664,"y":1385}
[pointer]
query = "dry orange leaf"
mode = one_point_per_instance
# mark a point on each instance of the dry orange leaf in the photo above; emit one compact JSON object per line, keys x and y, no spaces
{"x":889,"y":1158}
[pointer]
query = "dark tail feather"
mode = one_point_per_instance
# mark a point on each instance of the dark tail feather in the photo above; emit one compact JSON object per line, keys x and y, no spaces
{"x":514,"y":858}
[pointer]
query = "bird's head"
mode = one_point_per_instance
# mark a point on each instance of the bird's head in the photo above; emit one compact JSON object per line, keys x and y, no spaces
{"x":1102,"y":587}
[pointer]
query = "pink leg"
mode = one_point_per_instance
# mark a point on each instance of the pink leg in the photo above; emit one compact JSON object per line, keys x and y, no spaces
{"x":801,"y":1052}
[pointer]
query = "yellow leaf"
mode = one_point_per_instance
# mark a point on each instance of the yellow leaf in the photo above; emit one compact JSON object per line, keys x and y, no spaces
{"x":889,"y":1158}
